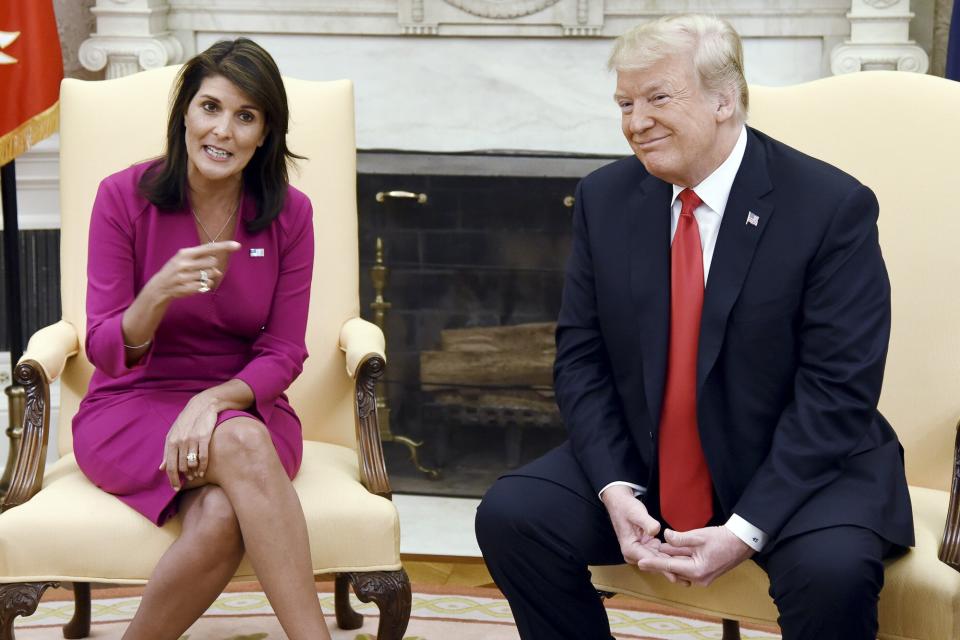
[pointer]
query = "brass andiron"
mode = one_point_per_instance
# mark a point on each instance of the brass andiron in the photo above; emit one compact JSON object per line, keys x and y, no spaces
{"x":378,"y":276}
{"x":16,"y":400}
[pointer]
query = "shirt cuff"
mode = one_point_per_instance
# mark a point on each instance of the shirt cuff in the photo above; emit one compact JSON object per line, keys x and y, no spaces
{"x":751,"y":536}
{"x":637,"y":489}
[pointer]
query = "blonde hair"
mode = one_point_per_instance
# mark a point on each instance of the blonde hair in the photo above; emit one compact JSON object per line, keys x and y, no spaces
{"x":716,"y":47}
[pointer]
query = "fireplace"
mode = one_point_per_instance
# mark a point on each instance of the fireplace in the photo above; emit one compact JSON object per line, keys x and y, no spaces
{"x":474,"y":247}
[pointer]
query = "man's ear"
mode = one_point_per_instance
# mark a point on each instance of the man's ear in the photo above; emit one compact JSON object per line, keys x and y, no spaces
{"x":726,"y":106}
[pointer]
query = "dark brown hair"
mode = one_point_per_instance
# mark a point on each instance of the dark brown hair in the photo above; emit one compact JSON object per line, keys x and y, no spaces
{"x":248,"y":66}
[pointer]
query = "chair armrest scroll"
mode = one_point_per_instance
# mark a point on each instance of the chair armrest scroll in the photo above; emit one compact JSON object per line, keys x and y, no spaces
{"x":360,"y":340}
{"x":950,"y":544}
{"x":27,"y":477}
{"x":373,"y":468}
{"x":47,"y":353}
{"x":50,"y":347}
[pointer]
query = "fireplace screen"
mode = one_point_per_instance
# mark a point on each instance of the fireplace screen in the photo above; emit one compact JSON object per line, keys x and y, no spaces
{"x":465,"y":272}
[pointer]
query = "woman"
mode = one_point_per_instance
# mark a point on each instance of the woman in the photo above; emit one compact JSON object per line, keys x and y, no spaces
{"x":198,"y":283}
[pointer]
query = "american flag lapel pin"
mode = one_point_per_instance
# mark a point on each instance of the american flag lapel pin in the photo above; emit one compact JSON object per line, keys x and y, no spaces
{"x":752,"y":218}
{"x":256,"y":253}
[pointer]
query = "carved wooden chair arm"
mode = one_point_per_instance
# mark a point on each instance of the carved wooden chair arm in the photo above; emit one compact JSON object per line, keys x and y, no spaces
{"x":363,"y":345}
{"x":373,"y":468}
{"x":46,"y":355}
{"x":359,"y":340}
{"x":950,"y":544}
{"x":51,"y":347}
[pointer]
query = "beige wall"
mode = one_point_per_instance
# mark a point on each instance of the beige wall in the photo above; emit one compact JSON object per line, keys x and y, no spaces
{"x":75,"y":22}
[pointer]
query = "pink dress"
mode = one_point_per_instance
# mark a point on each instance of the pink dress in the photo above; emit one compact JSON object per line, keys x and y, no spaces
{"x":251,"y":328}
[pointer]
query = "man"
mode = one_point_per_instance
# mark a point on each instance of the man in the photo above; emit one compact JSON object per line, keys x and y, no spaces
{"x":720,"y":352}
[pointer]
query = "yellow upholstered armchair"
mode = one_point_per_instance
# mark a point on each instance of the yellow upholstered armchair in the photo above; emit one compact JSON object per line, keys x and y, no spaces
{"x":56,"y":526}
{"x":898,"y":133}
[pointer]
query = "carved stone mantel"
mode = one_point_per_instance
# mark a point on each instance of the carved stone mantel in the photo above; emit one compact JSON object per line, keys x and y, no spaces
{"x":879,"y":39}
{"x":461,"y":75}
{"x":131,"y":36}
{"x":501,"y":17}
{"x":141,"y":34}
{"x":496,"y":18}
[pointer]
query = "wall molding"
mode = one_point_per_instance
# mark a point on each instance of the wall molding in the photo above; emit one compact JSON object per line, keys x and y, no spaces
{"x":492,"y":18}
{"x":38,"y":186}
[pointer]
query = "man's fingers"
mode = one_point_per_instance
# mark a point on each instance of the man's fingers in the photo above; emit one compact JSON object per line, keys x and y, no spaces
{"x":671,"y":550}
{"x":685,"y":539}
{"x":643,"y":551}
{"x":651,"y":543}
{"x":650,"y":526}
{"x":633,"y":552}
{"x":681,"y":566}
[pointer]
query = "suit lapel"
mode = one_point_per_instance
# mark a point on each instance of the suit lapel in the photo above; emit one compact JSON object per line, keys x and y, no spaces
{"x":649,"y":251}
{"x":736,"y":244}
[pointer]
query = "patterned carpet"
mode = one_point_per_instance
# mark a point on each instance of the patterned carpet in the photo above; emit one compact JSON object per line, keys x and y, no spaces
{"x":468,"y":614}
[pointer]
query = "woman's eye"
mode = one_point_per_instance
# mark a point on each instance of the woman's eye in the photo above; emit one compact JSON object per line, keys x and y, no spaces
{"x":208,"y":106}
{"x":246,"y":116}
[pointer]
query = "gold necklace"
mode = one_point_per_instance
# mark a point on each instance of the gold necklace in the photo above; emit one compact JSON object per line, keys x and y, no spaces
{"x":213,"y":239}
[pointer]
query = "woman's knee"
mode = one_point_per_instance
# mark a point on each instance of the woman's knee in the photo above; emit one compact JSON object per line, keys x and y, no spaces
{"x":244,"y":444}
{"x":213,"y":518}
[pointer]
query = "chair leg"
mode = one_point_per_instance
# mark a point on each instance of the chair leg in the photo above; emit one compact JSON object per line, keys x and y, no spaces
{"x":731,"y":629}
{"x":79,"y":625}
{"x":347,"y":618}
{"x":391,"y":591}
{"x":19,"y":599}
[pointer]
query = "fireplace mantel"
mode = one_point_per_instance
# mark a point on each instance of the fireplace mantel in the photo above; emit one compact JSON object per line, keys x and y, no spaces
{"x":463,"y":75}
{"x":498,"y":18}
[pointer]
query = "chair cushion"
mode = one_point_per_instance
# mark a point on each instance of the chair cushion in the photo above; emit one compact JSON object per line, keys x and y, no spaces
{"x":920,"y":598}
{"x":73,"y":531}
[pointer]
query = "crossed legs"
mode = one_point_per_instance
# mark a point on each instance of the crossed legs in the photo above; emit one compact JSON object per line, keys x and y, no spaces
{"x":245,"y":502}
{"x":194,"y":570}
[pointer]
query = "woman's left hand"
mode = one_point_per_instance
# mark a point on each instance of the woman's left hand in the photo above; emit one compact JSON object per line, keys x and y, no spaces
{"x":187,"y":447}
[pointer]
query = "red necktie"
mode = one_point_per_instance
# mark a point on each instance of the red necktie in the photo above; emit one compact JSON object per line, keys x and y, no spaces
{"x":686,"y":493}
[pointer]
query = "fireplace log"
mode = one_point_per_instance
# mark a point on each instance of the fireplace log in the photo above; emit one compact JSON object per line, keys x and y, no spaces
{"x":511,"y":356}
{"x":519,"y":400}
{"x":517,"y":368}
{"x":529,"y":338}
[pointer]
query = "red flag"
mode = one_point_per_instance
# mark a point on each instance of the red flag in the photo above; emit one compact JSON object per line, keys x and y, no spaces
{"x":31,"y":68}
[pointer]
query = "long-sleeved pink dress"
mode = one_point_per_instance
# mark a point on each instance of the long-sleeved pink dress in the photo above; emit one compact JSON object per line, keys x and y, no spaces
{"x":251,"y":328}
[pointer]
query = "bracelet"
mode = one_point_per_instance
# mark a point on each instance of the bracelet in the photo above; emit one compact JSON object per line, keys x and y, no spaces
{"x":139,"y":346}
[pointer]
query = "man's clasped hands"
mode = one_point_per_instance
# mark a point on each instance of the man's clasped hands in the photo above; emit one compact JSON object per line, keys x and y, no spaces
{"x":698,"y":556}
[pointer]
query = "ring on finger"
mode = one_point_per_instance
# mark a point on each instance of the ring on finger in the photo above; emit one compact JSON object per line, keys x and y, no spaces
{"x":204,"y":281}
{"x":192,"y":459}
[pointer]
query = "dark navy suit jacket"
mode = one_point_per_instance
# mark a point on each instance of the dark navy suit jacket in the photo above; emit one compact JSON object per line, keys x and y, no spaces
{"x":793,"y":339}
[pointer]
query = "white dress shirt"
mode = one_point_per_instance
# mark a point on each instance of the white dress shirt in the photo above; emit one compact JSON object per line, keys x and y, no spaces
{"x":714,"y":191}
